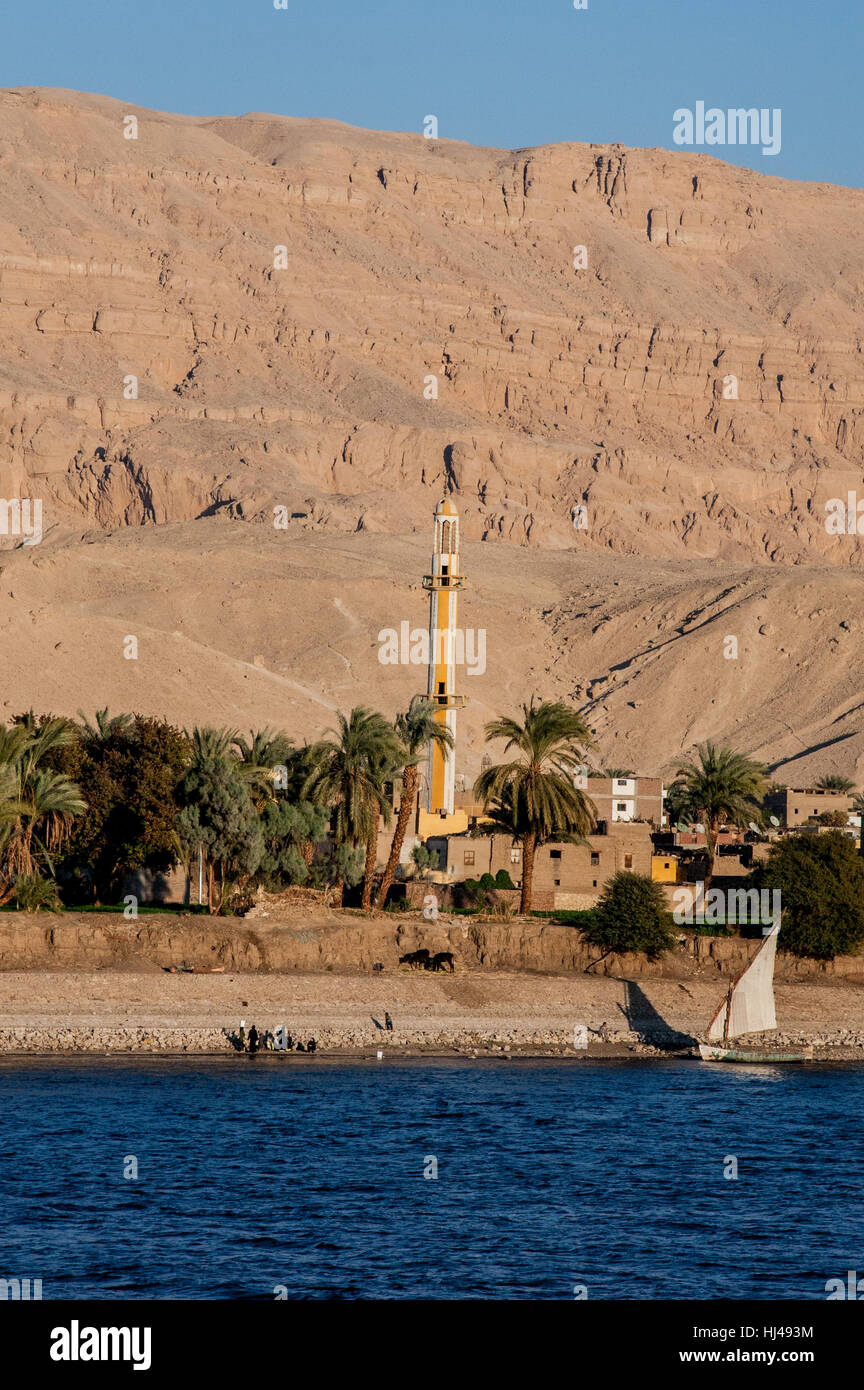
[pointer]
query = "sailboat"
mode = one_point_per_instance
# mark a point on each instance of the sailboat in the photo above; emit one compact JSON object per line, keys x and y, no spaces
{"x":749,"y":1008}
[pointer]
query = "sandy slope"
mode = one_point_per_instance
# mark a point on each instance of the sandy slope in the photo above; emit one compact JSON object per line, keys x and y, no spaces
{"x":305,"y":388}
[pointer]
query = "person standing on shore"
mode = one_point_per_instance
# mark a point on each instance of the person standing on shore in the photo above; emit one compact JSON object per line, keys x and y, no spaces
{"x":253,"y":1039}
{"x":388,"y":1022}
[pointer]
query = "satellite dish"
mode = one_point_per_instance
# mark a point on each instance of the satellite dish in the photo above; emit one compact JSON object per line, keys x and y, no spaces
{"x":699,"y":827}
{"x":754,"y":828}
{"x":775,"y":821}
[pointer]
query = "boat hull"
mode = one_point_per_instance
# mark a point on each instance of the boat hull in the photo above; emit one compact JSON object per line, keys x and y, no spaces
{"x":715,"y":1052}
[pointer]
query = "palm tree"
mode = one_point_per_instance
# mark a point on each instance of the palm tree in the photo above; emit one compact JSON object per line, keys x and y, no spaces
{"x":212,"y":745}
{"x":37,"y":806}
{"x":415,"y":731}
{"x":105,"y":725}
{"x":835,"y":783}
{"x":719,"y":786}
{"x":535,"y":795}
{"x":259,"y":758}
{"x":347,"y":773}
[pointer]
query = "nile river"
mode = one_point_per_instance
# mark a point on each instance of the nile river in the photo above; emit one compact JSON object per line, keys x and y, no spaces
{"x":259,"y":1177}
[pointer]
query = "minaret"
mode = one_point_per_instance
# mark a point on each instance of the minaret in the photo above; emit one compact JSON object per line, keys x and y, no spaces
{"x":443,"y":584}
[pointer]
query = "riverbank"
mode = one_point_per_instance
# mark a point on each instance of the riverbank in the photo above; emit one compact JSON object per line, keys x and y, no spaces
{"x":123,"y":1010}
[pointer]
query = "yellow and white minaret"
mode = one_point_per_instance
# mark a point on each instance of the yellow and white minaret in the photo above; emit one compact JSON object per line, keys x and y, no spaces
{"x":443,"y":584}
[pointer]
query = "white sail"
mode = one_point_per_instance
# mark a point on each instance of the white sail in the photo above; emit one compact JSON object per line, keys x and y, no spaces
{"x":750,"y":1002}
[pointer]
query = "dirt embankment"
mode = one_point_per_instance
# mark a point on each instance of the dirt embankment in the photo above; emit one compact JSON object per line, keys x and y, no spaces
{"x":344,"y":942}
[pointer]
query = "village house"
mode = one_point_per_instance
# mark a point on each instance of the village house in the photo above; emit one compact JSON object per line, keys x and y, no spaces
{"x":626,"y":798}
{"x":565,"y":875}
{"x":797,"y":805}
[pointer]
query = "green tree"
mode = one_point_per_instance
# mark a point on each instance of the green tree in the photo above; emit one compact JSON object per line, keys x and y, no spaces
{"x":37,"y":805}
{"x":718,"y":787}
{"x":288,"y":828}
{"x":217,"y":816}
{"x":631,"y":915}
{"x":835,"y":818}
{"x":425,"y":860}
{"x":105,"y":726}
{"x":128,"y":772}
{"x":414,"y":731}
{"x":534,"y":795}
{"x":821,"y":883}
{"x":347,"y":774}
{"x":261,"y":759}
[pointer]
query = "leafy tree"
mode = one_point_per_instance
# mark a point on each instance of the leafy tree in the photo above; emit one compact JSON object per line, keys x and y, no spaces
{"x":503,"y":879}
{"x":415,"y":731}
{"x":337,"y":866}
{"x":288,"y":829}
{"x":821,"y":882}
{"x":631,"y":915}
{"x":128,"y":773}
{"x":348,"y":772}
{"x":716,"y":788}
{"x":835,"y":818}
{"x":534,"y":795}
{"x":218,"y":818}
{"x":425,"y":859}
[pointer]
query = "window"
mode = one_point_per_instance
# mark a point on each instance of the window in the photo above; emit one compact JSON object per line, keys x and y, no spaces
{"x":557,"y":883}
{"x":554,"y":854}
{"x":621,"y":806}
{"x":469,"y":857}
{"x":514,"y":856}
{"x":595,"y":858}
{"x":628,"y":861}
{"x":594,"y":884}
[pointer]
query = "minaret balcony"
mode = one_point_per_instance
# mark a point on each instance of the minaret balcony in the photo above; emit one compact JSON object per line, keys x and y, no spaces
{"x":435,"y":582}
{"x":450,"y":701}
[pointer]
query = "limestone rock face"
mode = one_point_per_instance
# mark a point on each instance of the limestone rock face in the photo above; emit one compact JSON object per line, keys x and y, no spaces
{"x":225,"y":316}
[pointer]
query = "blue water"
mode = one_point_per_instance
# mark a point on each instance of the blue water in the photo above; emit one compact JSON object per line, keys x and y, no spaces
{"x":255,"y":1173}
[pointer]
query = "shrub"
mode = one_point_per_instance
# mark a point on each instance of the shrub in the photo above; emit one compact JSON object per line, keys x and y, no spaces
{"x":821,"y":882}
{"x":487,"y":883}
{"x":632,"y":916}
{"x":35,"y":894}
{"x":503,"y":879}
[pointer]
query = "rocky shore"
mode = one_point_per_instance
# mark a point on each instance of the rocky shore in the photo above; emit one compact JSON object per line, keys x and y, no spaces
{"x":844,"y":1045}
{"x":179,"y":985}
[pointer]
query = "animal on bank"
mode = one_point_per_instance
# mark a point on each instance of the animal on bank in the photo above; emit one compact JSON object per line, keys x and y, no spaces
{"x":442,"y":961}
{"x":416,"y":959}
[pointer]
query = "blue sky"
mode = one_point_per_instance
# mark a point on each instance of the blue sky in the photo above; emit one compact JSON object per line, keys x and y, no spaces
{"x":495,"y":72}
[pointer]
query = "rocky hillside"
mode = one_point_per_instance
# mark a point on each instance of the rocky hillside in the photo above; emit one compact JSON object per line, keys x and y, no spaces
{"x":225,"y":316}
